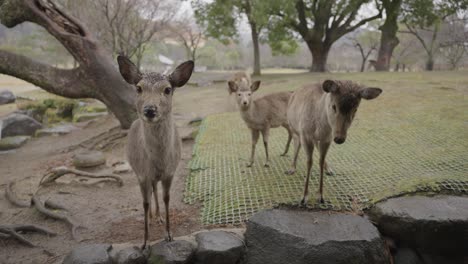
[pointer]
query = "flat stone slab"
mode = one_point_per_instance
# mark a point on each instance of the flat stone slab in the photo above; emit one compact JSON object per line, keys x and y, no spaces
{"x":436,"y":224}
{"x":81,"y":117}
{"x":89,"y":159}
{"x":89,"y":254}
{"x":19,"y":125}
{"x":293,"y":236}
{"x":174,"y":252}
{"x":9,"y":143}
{"x":56,"y":130}
{"x":219,"y":247}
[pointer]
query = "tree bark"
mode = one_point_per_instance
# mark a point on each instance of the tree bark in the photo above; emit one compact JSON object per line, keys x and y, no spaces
{"x":95,"y":77}
{"x":319,"y":56}
{"x":388,"y":39}
{"x":256,"y":49}
{"x":430,"y":63}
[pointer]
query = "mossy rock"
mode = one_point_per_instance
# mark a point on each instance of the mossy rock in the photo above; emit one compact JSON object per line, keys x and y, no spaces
{"x":81,"y":117}
{"x":9,"y":143}
{"x":52,"y":116}
{"x":51,"y":110}
{"x":90,"y":109}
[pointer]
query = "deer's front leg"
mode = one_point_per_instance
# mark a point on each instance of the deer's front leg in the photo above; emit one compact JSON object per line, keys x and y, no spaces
{"x":265,"y":135}
{"x":309,"y":150}
{"x":288,"y":143}
{"x":166,"y":197}
{"x":146,"y":193}
{"x":323,"y":148}
{"x":255,"y":136}
{"x":158,"y":217}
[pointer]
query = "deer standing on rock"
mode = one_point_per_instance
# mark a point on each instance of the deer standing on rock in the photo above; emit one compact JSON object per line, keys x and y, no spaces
{"x":154,"y":146}
{"x":319,"y":114}
{"x":260,"y":114}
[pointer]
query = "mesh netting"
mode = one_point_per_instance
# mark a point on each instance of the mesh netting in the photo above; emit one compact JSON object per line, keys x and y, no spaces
{"x":385,"y":154}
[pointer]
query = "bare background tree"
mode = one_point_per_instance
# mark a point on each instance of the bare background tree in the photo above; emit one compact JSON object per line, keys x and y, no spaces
{"x":190,"y":36}
{"x":366,"y":42}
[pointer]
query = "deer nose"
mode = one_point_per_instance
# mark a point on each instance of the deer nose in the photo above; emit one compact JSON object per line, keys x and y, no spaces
{"x":149,"y":111}
{"x":245,"y":103}
{"x":339,"y":140}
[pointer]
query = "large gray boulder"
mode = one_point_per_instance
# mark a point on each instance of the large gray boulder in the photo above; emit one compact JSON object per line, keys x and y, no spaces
{"x":89,"y":254}
{"x":174,"y":252}
{"x":59,"y":130}
{"x":6,"y":97}
{"x":437,"y":225}
{"x":219,"y":247}
{"x":19,"y":125}
{"x":292,"y":236}
{"x":129,"y":255}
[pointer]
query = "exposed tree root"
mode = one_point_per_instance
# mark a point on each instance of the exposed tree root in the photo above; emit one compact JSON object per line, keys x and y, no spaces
{"x":11,"y":231}
{"x":103,"y":141}
{"x":11,"y":196}
{"x":55,"y":206}
{"x":58,"y":172}
{"x":39,"y":205}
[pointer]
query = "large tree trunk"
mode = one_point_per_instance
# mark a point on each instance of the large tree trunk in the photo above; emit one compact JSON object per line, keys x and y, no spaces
{"x":95,"y":77}
{"x":430,"y":63}
{"x":319,"y":56}
{"x":256,"y":49}
{"x":388,"y":38}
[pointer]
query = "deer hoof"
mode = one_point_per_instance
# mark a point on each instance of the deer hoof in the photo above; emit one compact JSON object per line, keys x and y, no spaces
{"x":143,"y":246}
{"x":284,"y":154}
{"x":249,"y":165}
{"x":266,"y":165}
{"x":159,"y":220}
{"x":303,"y":202}
{"x":290,"y":172}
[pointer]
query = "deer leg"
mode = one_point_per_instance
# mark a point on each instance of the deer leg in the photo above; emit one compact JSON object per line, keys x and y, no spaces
{"x":289,"y":142}
{"x":146,"y":193}
{"x":309,"y":149}
{"x":255,"y":136}
{"x":265,"y":135}
{"x":166,"y":198}
{"x":297,"y":147}
{"x":156,"y":202}
{"x":323,"y":153}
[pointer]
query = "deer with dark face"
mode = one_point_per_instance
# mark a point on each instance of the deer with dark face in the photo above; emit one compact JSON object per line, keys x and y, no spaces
{"x":320,"y":114}
{"x":154,"y":146}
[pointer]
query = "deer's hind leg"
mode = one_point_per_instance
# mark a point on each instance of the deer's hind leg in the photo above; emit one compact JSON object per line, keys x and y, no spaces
{"x":323,"y":149}
{"x":309,"y":150}
{"x":265,"y":135}
{"x":297,"y":148}
{"x":289,"y":141}
{"x":158,"y":217}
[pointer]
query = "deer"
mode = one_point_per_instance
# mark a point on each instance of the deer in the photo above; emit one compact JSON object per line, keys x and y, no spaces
{"x":261,"y":114}
{"x":154,"y":146}
{"x":319,"y":114}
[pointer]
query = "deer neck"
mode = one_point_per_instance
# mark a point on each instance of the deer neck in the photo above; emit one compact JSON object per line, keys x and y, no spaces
{"x":160,"y":133}
{"x":249,"y":112}
{"x":322,"y":108}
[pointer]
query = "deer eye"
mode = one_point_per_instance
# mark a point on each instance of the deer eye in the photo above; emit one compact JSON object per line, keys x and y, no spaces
{"x":334,"y":108}
{"x":138,"y":89}
{"x":167,"y":90}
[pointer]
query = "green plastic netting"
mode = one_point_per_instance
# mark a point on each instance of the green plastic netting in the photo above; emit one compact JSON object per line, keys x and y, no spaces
{"x":385,"y":154}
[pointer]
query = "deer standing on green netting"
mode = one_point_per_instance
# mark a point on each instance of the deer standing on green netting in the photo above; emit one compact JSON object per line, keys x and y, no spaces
{"x":260,"y":114}
{"x":318,"y":114}
{"x":154,"y":146}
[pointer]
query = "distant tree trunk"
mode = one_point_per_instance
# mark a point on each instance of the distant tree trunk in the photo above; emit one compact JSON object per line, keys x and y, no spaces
{"x":388,"y":38}
{"x":319,"y":56}
{"x":430,"y":63}
{"x":256,"y":49}
{"x":95,"y":77}
{"x":397,"y":67}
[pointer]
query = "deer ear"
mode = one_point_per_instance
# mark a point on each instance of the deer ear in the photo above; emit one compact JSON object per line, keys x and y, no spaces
{"x":232,"y":87}
{"x":181,"y":74}
{"x":255,"y":85}
{"x":370,"y":93}
{"x":128,"y":70}
{"x":330,"y":86}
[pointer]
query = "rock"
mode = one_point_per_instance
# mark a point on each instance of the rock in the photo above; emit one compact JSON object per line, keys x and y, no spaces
{"x":89,"y":159}
{"x":81,"y":117}
{"x":434,"y":225}
{"x":122,"y":168}
{"x":407,"y":256}
{"x":89,"y":254}
{"x":219,"y":247}
{"x":6,"y":97}
{"x":56,"y":130}
{"x":292,"y":236}
{"x":439,"y":259}
{"x":8,"y":143}
{"x":195,"y":120}
{"x":19,"y":125}
{"x":174,"y":252}
{"x":130,"y":255}
{"x":188,"y":133}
